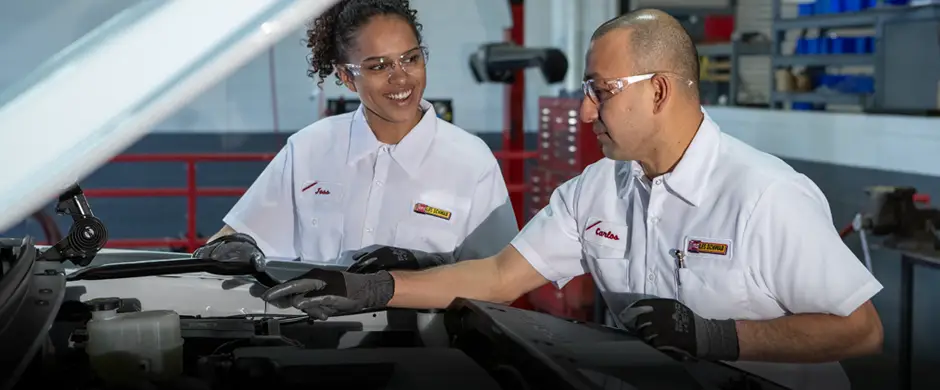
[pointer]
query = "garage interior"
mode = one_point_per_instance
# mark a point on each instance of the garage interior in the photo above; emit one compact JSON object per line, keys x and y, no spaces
{"x":842,"y":90}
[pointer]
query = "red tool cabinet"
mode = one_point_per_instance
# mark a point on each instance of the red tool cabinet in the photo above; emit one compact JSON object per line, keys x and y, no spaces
{"x":565,"y":147}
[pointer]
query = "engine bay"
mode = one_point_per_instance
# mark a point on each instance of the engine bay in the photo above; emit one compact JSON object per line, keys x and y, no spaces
{"x":471,"y":345}
{"x":54,"y":333}
{"x":252,"y":352}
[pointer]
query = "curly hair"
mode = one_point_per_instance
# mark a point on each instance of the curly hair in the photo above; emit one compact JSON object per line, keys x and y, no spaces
{"x":330,"y":35}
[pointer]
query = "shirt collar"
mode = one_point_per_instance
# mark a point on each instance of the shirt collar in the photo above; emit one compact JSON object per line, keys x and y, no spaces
{"x":409,"y":153}
{"x":690,"y":177}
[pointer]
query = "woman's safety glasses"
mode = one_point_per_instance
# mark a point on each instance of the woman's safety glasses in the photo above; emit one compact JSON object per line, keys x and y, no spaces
{"x":414,"y":60}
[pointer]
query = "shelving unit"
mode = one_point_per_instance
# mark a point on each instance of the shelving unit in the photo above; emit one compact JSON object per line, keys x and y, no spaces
{"x":734,"y":50}
{"x":877,"y":18}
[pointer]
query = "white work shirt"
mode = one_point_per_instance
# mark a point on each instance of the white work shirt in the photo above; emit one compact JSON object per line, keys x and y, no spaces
{"x":757,"y":238}
{"x":334,"y":188}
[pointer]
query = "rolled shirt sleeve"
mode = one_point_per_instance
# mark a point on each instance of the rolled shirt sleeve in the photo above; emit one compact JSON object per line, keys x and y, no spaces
{"x":800,"y":257}
{"x":550,"y":240}
{"x":266,"y":210}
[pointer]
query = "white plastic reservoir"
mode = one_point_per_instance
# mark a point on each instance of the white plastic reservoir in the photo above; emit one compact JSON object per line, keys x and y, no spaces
{"x":128,"y":347}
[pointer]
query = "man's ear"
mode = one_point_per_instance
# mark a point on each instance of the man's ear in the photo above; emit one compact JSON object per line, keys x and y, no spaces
{"x":662,"y":91}
{"x":346,"y":78}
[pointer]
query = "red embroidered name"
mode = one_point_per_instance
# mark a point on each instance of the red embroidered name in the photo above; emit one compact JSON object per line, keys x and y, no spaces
{"x":321,"y":191}
{"x":607,"y":235}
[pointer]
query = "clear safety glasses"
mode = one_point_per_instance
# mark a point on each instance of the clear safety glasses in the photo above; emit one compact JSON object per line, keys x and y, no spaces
{"x":601,"y":90}
{"x":414,"y":60}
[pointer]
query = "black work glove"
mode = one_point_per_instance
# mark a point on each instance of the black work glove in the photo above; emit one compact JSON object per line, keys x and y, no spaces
{"x":670,"y":326}
{"x":322,"y":293}
{"x":238,"y":247}
{"x":382,"y":259}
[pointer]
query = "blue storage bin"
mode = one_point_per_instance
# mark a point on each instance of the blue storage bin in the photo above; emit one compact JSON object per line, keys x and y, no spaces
{"x":897,"y":2}
{"x":810,"y":46}
{"x":842,"y":45}
{"x":830,"y":81}
{"x":865,"y":45}
{"x":806,"y":9}
{"x":848,"y":83}
{"x":857,"y":84}
{"x":854,"y":5}
{"x":822,"y":45}
{"x":829,"y":6}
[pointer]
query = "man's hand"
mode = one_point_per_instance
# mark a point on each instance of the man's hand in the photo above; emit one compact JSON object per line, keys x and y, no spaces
{"x":383,"y":258}
{"x":323,"y":293}
{"x":238,"y":247}
{"x":670,"y":326}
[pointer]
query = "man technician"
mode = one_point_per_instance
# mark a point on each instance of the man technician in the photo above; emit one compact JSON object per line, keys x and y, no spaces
{"x":738,"y":247}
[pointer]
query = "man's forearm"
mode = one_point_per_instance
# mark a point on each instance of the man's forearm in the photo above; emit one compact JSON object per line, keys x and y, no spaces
{"x":806,"y":338}
{"x":436,"y":287}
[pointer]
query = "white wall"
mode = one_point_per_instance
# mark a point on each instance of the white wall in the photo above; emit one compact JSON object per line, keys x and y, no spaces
{"x":566,"y":25}
{"x":885,"y":142}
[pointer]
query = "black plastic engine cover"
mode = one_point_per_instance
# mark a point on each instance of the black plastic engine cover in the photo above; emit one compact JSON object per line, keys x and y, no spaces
{"x":543,"y":351}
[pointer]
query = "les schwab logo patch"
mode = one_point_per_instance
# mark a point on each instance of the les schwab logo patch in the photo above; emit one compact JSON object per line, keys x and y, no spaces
{"x":422,"y":208}
{"x":714,"y":248}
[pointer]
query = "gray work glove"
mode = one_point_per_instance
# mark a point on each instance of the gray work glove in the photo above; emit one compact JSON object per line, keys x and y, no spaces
{"x":386,"y":258}
{"x":255,"y":289}
{"x":672,"y":327}
{"x":236,"y":248}
{"x":322,"y":293}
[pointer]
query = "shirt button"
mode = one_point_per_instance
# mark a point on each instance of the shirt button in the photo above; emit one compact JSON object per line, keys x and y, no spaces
{"x":368,"y":230}
{"x":379,"y":183}
{"x":313,"y":222}
{"x":651,"y":277}
{"x":658,"y":181}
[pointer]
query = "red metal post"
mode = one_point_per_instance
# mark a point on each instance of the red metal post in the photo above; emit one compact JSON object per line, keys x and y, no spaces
{"x":514,"y":134}
{"x":191,"y":205}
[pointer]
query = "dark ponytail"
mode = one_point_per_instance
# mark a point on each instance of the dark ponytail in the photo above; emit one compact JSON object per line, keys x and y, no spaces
{"x":330,"y":36}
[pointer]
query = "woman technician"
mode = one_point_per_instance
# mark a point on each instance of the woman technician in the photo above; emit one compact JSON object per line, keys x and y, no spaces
{"x":389,"y":174}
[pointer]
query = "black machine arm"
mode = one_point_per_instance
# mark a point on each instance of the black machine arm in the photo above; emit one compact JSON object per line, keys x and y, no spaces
{"x":86,"y":236}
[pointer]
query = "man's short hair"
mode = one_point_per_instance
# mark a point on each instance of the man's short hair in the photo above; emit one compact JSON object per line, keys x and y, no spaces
{"x":658,"y":43}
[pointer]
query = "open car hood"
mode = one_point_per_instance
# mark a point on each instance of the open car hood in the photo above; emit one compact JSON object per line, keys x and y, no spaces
{"x":101,"y":94}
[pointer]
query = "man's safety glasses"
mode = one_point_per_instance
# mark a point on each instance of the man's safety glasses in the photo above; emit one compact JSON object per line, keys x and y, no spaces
{"x":414,"y":60}
{"x":601,"y":90}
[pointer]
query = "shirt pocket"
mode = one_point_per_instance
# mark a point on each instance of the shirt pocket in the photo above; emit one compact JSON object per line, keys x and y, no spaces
{"x":605,"y":248}
{"x":710,"y":282}
{"x":322,"y":222}
{"x":413,"y":233}
{"x":433,"y":222}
